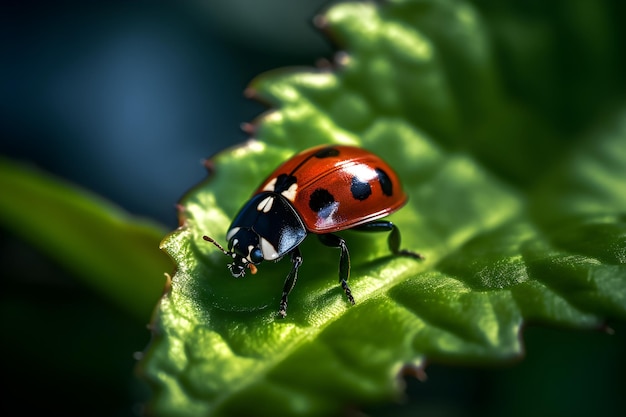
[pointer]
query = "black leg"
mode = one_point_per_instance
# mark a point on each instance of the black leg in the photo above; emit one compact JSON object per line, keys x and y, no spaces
{"x":335,"y":241}
{"x":290,"y":281}
{"x":394,"y":236}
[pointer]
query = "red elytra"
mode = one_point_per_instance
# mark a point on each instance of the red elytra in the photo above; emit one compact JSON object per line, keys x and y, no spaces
{"x":357,"y":185}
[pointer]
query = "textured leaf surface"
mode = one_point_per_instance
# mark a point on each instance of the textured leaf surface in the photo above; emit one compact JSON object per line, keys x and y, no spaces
{"x":418,"y":86}
{"x":110,"y":251}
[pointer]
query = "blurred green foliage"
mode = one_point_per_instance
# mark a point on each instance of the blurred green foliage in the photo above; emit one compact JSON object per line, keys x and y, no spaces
{"x":112,"y":252}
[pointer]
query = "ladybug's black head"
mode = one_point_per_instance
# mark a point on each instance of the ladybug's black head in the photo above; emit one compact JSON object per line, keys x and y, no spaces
{"x":243,"y":247}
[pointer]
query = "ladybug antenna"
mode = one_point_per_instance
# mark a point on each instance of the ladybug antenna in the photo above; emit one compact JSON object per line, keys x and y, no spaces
{"x":252,"y":267}
{"x":208,"y":239}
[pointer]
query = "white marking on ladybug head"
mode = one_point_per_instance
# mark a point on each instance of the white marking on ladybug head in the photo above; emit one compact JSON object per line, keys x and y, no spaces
{"x":266,"y":204}
{"x":269,"y":251}
{"x":250,"y":249}
{"x":232,"y":232}
{"x":271,"y":186}
{"x":290,"y":193}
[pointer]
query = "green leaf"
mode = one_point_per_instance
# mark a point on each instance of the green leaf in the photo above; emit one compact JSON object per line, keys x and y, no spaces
{"x":418,"y":86}
{"x":110,"y":251}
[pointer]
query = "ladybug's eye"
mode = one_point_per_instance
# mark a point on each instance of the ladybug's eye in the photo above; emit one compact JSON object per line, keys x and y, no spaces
{"x":256,"y":256}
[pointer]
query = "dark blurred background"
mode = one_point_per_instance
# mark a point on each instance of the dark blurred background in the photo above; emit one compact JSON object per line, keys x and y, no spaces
{"x":126,"y":98}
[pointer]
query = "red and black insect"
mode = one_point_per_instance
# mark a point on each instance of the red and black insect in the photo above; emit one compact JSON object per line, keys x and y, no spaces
{"x":322,"y":190}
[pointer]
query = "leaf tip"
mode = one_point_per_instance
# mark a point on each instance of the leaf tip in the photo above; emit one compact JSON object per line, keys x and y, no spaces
{"x":416,"y":371}
{"x":209,"y":165}
{"x":250,"y":92}
{"x":320,"y":22}
{"x":248,"y":128}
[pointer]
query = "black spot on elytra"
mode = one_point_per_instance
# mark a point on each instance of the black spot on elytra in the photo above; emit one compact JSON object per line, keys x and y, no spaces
{"x":327,"y":152}
{"x":320,"y":199}
{"x":385,"y":182}
{"x":283,"y":182}
{"x":360,"y":189}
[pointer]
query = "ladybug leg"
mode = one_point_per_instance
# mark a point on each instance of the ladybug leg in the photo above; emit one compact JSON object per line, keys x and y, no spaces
{"x":335,"y":241}
{"x":394,"y":236}
{"x":290,"y":281}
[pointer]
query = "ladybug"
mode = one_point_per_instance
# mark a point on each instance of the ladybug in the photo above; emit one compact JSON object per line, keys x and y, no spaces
{"x":322,"y":190}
